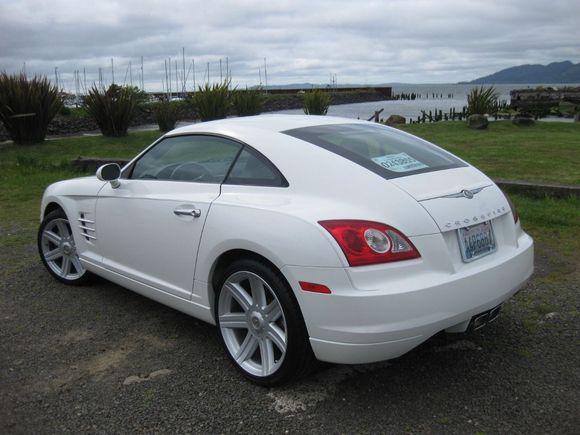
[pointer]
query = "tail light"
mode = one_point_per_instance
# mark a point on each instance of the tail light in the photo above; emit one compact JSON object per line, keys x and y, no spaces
{"x":512,"y":207}
{"x":366,"y":242}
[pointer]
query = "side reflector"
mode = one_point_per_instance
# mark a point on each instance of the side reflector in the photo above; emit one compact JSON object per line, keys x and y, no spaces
{"x":315,"y":288}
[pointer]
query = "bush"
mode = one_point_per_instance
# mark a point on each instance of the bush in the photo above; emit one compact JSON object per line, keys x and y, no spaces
{"x":316,"y":102}
{"x":27,"y":106}
{"x":212,"y":101}
{"x":248,"y":102}
{"x":481,"y":101}
{"x":112,"y":109}
{"x":166,"y":114}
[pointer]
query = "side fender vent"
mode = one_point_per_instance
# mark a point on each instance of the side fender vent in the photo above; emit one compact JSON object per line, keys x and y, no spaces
{"x":87,"y":227}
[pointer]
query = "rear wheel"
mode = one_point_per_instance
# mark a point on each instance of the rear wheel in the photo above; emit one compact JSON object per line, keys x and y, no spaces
{"x":260,"y":324}
{"x":57,"y":249}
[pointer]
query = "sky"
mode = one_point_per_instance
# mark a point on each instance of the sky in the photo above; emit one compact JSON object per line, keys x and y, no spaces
{"x":296,"y":41}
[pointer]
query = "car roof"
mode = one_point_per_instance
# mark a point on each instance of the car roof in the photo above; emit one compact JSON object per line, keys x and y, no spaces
{"x":272,"y":123}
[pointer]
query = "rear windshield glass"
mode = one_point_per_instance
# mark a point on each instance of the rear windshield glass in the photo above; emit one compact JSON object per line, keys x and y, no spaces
{"x":387,"y":152}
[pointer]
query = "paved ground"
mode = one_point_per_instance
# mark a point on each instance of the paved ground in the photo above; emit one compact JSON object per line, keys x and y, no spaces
{"x":101,"y":359}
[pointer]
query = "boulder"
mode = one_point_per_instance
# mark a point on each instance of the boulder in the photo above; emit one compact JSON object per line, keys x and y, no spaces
{"x":523,"y":121}
{"x":478,"y":122}
{"x":395,"y":119}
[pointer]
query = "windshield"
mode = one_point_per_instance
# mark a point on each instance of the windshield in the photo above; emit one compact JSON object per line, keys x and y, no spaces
{"x":387,"y":152}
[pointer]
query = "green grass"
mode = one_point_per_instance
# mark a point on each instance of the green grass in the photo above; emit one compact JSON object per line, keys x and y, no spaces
{"x":547,"y":152}
{"x":25,"y":171}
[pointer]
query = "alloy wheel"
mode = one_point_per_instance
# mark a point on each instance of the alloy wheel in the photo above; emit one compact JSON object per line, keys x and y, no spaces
{"x":252,"y":323}
{"x":59,"y":250}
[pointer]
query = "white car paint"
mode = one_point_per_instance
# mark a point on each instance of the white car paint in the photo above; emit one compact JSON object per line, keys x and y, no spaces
{"x":375,"y":312}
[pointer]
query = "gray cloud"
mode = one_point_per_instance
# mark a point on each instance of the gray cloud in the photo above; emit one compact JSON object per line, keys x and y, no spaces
{"x":362,"y":42}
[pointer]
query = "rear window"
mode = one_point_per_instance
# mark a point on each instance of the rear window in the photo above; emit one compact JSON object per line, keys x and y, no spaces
{"x":389,"y":153}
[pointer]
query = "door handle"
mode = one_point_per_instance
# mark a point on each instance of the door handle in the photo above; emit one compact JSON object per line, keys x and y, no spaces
{"x":187,"y":211}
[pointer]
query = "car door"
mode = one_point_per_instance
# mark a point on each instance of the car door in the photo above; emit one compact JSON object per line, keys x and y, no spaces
{"x":149,"y":227}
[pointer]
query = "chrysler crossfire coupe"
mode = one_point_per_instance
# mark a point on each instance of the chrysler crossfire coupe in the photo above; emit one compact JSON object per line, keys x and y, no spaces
{"x":300,"y":237}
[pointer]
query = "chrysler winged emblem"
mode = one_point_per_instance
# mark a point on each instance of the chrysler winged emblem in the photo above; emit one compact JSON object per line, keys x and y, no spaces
{"x":465,"y":193}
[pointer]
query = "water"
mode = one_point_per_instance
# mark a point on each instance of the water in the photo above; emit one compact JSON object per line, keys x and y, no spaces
{"x":412,"y":109}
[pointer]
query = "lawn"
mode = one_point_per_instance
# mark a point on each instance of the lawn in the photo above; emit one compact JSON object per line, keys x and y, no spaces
{"x":547,"y":152}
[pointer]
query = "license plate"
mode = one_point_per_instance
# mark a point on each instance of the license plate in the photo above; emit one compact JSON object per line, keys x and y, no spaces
{"x":476,"y":241}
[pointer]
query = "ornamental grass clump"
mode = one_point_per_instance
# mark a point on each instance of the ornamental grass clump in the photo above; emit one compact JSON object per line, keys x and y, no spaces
{"x":481,"y":101}
{"x":316,"y":102}
{"x":27,"y":106}
{"x":212,"y":101}
{"x":248,"y":102}
{"x":113,"y":109}
{"x":166,"y":114}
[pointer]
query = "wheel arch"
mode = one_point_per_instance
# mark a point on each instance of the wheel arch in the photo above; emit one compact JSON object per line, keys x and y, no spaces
{"x":50,"y":207}
{"x":221,"y":263}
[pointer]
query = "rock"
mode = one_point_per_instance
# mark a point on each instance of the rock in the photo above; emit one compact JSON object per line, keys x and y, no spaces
{"x":551,"y":315}
{"x":477,"y":122}
{"x":523,"y":121}
{"x":395,"y":119}
{"x":138,"y":379}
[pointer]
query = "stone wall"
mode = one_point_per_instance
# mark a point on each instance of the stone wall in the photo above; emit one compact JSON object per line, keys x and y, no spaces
{"x":543,"y":97}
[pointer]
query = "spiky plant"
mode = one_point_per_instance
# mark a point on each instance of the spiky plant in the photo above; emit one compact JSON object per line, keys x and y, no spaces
{"x":481,"y":100}
{"x":27,"y":106}
{"x":166,"y":114}
{"x":113,"y":109}
{"x":212,"y":101}
{"x":248,"y":102}
{"x":316,"y":102}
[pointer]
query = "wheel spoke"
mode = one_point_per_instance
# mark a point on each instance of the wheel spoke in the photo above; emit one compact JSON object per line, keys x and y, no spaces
{"x":52,"y":237}
{"x":267,"y":356}
{"x":233,"y":320}
{"x":273,"y":311}
{"x":258,"y":291}
{"x":239,"y":294}
{"x":65,"y":266}
{"x":53,"y":255}
{"x":62,"y":228}
{"x":277,"y":336}
{"x":77,"y":264}
{"x":247,"y":348}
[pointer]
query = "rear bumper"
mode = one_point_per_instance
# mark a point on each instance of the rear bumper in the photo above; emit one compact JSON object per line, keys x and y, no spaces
{"x":360,"y":326}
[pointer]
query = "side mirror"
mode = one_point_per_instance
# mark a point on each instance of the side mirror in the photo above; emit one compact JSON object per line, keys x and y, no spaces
{"x":110,"y":172}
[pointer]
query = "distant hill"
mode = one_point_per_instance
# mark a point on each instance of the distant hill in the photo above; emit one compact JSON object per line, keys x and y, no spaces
{"x":557,"y":72}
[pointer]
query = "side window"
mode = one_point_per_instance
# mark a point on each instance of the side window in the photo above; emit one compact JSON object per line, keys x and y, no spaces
{"x":252,"y":169}
{"x":196,"y":158}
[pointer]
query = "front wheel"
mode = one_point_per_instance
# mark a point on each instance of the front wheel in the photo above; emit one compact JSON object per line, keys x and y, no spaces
{"x":57,"y":249}
{"x":260,"y":324}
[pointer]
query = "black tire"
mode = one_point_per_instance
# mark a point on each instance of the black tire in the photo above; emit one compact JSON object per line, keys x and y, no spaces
{"x":299,"y":358}
{"x":57,"y":223}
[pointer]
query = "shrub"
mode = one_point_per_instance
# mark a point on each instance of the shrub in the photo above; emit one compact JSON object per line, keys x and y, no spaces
{"x":316,"y":102}
{"x":481,"y":100}
{"x":248,"y":102}
{"x":166,"y":114}
{"x":212,"y":101}
{"x":27,"y":106}
{"x":112,"y":109}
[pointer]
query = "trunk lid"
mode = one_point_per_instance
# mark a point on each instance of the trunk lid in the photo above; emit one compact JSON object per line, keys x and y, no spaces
{"x":456,"y":198}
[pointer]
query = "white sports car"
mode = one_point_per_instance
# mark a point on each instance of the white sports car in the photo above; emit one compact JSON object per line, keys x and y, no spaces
{"x":301,"y":237}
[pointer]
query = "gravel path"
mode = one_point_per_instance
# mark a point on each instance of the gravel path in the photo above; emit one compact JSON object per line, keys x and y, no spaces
{"x":101,"y":359}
